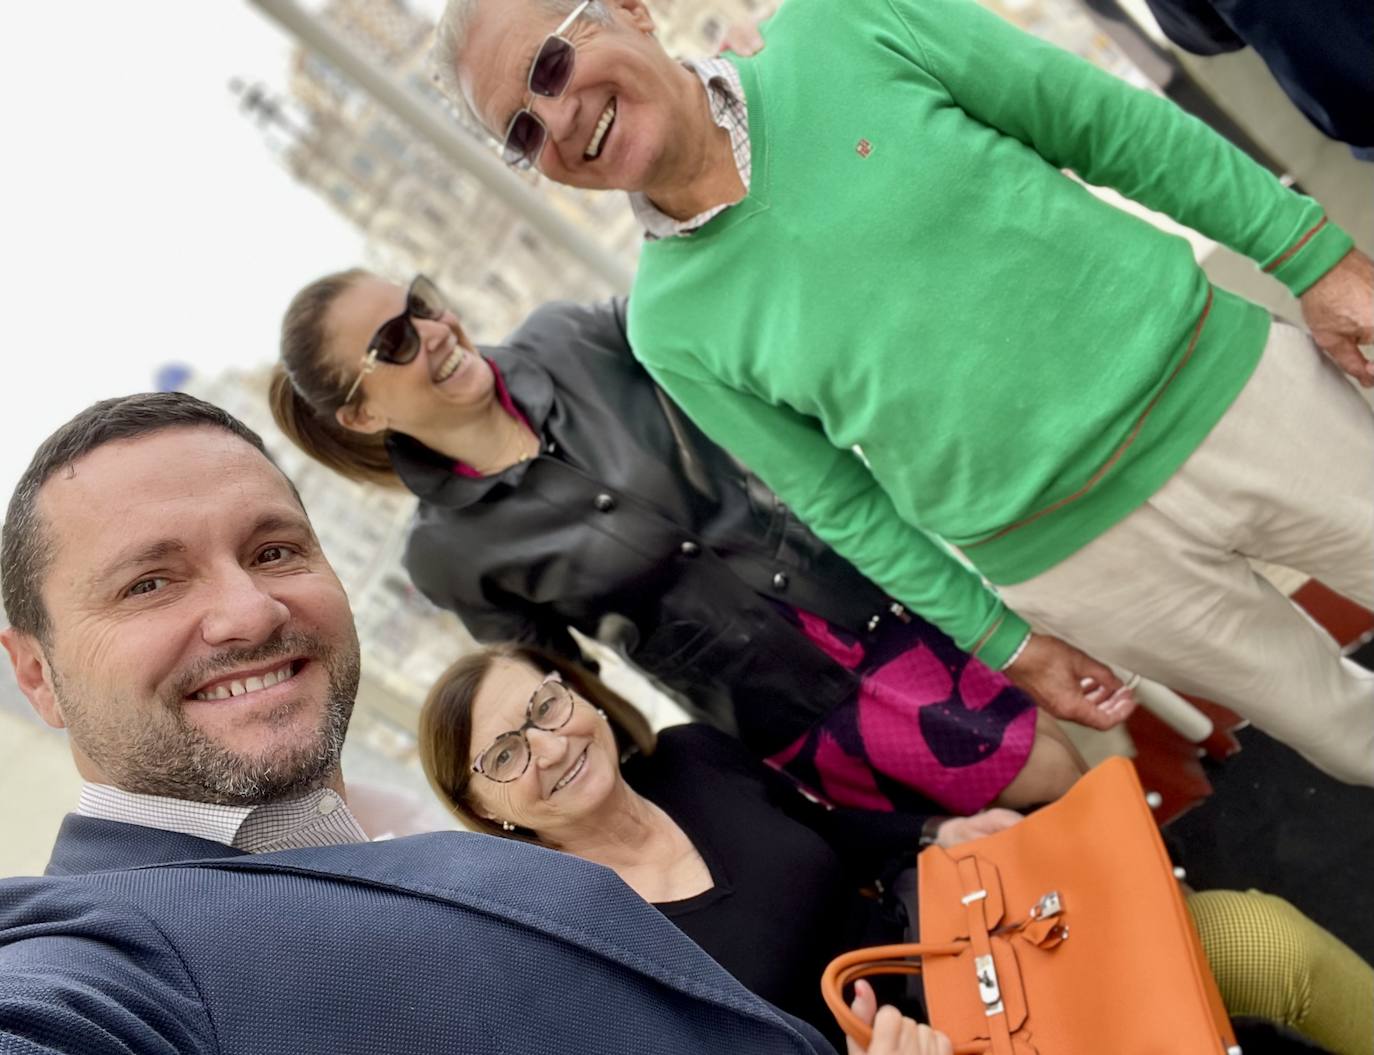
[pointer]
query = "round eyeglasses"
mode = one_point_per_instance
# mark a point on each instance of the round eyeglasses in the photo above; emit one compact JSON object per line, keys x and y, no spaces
{"x":508,"y":757}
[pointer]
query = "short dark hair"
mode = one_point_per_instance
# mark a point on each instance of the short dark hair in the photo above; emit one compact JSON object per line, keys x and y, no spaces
{"x":25,"y":546}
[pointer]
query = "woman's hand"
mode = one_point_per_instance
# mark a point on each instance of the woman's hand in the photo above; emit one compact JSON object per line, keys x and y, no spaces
{"x":958,"y":830}
{"x":893,"y":1033}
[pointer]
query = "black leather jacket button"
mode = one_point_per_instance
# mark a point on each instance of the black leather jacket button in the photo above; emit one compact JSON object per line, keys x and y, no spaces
{"x":604,"y":503}
{"x":780,"y":581}
{"x":689,"y":548}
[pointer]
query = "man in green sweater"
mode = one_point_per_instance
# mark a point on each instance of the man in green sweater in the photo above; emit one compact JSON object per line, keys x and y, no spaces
{"x":864,"y":237}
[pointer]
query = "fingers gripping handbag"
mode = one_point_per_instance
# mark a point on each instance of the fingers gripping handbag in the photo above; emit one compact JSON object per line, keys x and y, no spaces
{"x":1065,"y":934}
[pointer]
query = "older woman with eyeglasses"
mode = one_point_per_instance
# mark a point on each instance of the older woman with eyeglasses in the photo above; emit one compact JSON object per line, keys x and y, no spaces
{"x":528,"y":746}
{"x":522,"y":744}
{"x":559,"y":488}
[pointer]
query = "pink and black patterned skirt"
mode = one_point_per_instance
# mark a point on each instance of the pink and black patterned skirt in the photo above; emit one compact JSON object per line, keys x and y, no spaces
{"x":926,"y":718}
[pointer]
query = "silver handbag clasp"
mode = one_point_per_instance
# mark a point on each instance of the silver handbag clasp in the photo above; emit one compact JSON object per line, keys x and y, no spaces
{"x":989,"y":989}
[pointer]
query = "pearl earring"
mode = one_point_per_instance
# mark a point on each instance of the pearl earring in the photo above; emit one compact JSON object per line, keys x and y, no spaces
{"x":602,"y":714}
{"x":507,"y":826}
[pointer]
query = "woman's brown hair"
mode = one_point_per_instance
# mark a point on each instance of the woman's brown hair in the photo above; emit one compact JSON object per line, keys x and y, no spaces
{"x":306,"y":390}
{"x":446,"y":724}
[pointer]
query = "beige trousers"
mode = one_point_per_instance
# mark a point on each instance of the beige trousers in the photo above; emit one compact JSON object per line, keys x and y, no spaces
{"x":1287,"y":476}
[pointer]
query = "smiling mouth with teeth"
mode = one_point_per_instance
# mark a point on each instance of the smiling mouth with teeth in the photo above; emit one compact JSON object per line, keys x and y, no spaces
{"x":242,"y":686}
{"x":450,"y":364}
{"x":568,"y":777}
{"x":603,"y":125}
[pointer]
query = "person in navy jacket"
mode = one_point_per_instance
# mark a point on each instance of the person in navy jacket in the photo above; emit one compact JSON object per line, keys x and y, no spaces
{"x":172,"y":610}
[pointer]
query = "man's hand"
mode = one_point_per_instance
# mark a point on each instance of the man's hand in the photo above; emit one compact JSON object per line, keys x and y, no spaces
{"x":958,"y":830}
{"x":1339,"y":310}
{"x":893,"y":1034}
{"x":1071,"y":684}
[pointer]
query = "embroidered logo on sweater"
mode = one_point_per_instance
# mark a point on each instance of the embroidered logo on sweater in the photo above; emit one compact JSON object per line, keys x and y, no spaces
{"x":864,"y":148}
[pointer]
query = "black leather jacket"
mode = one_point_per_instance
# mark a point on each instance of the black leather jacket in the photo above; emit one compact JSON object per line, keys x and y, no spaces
{"x":631,"y":511}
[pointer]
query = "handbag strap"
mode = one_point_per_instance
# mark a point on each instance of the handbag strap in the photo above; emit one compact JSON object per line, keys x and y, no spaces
{"x":881,"y":960}
{"x":989,"y":987}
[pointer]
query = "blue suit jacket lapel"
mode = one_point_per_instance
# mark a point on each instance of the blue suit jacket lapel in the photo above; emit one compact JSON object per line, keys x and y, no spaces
{"x":88,"y":844}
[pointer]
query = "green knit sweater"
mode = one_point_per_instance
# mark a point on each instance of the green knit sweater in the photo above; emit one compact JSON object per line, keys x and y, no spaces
{"x":911,"y":273}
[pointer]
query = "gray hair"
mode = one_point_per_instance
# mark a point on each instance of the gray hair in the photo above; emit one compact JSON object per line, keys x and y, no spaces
{"x":451,"y":37}
{"x":26,"y":544}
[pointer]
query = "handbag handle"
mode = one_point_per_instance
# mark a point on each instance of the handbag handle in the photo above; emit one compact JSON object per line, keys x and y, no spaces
{"x":881,"y":960}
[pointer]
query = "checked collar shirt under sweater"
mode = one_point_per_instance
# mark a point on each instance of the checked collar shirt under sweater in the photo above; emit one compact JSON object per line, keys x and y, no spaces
{"x":726,"y":95}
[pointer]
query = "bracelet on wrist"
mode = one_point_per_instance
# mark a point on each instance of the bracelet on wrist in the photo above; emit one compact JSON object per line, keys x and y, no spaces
{"x":1017,"y":654}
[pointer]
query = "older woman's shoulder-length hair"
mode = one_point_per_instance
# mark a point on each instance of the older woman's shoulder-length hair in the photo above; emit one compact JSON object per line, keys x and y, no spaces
{"x":445,"y":733}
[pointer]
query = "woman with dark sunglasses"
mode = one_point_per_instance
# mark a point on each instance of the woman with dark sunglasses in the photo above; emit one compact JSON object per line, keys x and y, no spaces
{"x":560,"y":489}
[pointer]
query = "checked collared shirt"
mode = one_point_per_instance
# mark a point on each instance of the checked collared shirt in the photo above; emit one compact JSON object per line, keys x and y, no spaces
{"x":318,"y":818}
{"x":728,"y":110}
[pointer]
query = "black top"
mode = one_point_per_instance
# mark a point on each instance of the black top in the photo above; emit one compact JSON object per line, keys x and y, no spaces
{"x":631,"y":526}
{"x":787,"y":873}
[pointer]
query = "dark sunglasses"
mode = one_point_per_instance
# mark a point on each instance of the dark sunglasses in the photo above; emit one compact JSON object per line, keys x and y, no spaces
{"x":397,"y":340}
{"x":550,"y":74}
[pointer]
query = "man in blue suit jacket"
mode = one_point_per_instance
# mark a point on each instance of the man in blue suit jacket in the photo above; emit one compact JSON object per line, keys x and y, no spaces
{"x":173,"y":611}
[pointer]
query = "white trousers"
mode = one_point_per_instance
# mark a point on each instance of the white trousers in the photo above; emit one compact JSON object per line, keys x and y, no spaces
{"x":1287,"y":476}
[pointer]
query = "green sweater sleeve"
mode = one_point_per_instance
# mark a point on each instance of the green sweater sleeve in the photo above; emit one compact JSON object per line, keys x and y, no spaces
{"x":833,"y":492}
{"x":1082,"y":118}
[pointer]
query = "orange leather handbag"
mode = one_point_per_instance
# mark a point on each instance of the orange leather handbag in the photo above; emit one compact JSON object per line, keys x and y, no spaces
{"x":1065,"y":934}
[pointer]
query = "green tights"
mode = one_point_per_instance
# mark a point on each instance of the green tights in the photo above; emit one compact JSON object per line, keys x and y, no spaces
{"x":1272,"y":962}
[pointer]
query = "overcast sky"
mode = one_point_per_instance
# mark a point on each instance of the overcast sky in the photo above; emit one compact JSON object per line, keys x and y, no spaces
{"x":145,"y":220}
